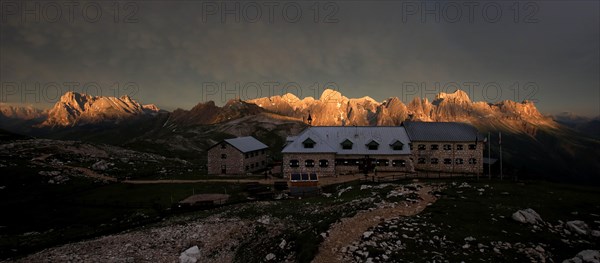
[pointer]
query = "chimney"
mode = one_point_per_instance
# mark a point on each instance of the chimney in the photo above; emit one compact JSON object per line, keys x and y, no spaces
{"x":309,"y":119}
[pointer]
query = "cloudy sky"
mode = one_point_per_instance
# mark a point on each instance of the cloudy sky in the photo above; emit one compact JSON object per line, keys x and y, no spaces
{"x":179,"y":53}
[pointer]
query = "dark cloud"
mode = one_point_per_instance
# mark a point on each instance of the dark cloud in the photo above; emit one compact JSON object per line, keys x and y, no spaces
{"x":373,"y":49}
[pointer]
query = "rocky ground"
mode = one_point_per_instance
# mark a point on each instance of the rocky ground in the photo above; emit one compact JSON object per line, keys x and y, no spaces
{"x":60,"y":161}
{"x":361,"y":222}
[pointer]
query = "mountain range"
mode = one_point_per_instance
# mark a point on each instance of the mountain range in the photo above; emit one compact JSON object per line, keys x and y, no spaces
{"x":531,"y":137}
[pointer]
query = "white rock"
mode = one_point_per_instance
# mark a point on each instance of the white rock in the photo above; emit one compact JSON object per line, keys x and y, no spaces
{"x":270,"y":257}
{"x":264,"y":220}
{"x":190,"y":255}
{"x":578,"y":226}
{"x":585,"y":256}
{"x":528,"y":216}
{"x":367,"y":234}
{"x":282,"y":244}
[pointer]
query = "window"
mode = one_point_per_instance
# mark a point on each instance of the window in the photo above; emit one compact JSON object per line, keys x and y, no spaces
{"x":309,"y":163}
{"x":397,"y":145}
{"x":435,"y":160}
{"x":247,"y":167}
{"x":295,"y":177}
{"x":251,"y":154}
{"x":447,"y":161}
{"x":262,"y":152}
{"x":459,"y":161}
{"x":459,"y":147}
{"x":262,"y":162}
{"x":323,"y":163}
{"x":346,"y":144}
{"x":246,"y":156}
{"x":373,"y":145}
{"x":421,"y":147}
{"x":400,"y":163}
{"x":472,"y":146}
{"x":252,"y":165}
{"x":410,"y":146}
{"x":383,"y":162}
{"x":447,"y":147}
{"x":223,"y":145}
{"x":294,"y":163}
{"x":472,"y":161}
{"x":309,"y":143}
{"x":256,"y":165}
{"x":421,"y":160}
{"x":223,"y":156}
{"x":304,"y":177}
{"x":435,"y":147}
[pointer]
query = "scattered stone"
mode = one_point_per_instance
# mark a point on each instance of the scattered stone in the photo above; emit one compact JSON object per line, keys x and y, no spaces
{"x":265,"y":220}
{"x":282,"y":244}
{"x":367,"y":234}
{"x":101,"y":165}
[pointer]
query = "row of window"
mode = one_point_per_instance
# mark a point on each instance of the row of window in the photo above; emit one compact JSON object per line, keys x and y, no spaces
{"x":303,"y":177}
{"x":446,"y":161}
{"x":224,"y":156}
{"x":446,"y":147}
{"x":252,"y":165}
{"x":347,"y":145}
{"x":348,"y":162}
{"x":254,"y":153}
{"x":309,"y":163}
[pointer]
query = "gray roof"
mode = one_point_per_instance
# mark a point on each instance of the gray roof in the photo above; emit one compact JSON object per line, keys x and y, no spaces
{"x":329,"y":138}
{"x":246,"y":144}
{"x":442,"y":131}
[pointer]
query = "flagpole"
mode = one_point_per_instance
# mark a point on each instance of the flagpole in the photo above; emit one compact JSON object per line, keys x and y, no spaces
{"x":489,"y":156}
{"x":500,"y":143}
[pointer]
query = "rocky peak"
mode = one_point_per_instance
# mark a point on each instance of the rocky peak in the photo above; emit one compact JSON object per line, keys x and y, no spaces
{"x":330,"y":95}
{"x":458,"y":96}
{"x":75,"y":108}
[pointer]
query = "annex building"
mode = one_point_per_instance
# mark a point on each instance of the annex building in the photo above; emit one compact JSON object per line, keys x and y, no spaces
{"x":237,"y":156}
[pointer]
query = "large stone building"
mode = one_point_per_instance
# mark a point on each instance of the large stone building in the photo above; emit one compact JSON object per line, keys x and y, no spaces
{"x":237,"y":156}
{"x":448,"y":147}
{"x":344,"y":149}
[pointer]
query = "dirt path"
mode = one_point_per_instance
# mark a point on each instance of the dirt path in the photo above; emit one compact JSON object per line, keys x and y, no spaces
{"x":322,"y":181}
{"x":351,"y":229}
{"x":89,"y":173}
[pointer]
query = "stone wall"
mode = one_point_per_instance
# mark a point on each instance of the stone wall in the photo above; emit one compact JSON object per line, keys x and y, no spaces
{"x":408,"y":165}
{"x":329,"y":170}
{"x":332,"y":169}
{"x":423,"y":158}
{"x":235,"y":162}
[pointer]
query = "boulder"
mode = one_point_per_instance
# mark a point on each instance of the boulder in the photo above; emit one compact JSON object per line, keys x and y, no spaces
{"x":585,"y":256}
{"x":527,"y":216}
{"x":190,"y":255}
{"x":578,"y":227}
{"x":270,"y":257}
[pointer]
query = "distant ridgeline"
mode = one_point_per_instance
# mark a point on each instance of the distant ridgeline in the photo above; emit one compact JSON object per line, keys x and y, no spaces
{"x":533,"y":144}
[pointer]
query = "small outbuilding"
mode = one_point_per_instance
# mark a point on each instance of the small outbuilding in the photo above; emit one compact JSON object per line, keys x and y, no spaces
{"x":240,"y":155}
